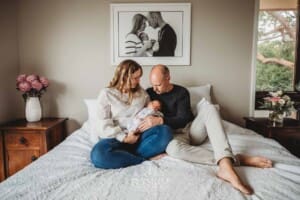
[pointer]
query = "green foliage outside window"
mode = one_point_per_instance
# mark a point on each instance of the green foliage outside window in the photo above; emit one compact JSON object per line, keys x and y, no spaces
{"x":276,"y":51}
{"x":273,"y":77}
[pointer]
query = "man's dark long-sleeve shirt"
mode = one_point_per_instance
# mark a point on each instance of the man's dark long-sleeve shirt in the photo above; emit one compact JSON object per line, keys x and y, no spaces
{"x":167,"y":40}
{"x":175,"y":106}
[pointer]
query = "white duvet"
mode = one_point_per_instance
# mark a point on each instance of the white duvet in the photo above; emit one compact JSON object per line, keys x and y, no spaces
{"x":67,"y":173}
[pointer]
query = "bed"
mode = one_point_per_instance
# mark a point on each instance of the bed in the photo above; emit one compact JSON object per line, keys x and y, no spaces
{"x":66,"y":172}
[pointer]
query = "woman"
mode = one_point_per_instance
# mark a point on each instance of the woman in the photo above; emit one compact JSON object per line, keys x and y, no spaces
{"x":137,"y":42}
{"x":117,"y":104}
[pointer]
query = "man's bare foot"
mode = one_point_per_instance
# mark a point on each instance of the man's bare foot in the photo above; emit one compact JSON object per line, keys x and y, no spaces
{"x":227,"y":173}
{"x":159,"y":156}
{"x":254,"y":161}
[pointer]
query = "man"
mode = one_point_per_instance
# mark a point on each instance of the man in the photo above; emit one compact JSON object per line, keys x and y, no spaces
{"x":166,"y":36}
{"x":177,"y":114}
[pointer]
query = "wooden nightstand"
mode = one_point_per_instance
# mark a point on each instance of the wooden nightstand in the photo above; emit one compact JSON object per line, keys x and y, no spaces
{"x":23,"y":142}
{"x":287,"y":134}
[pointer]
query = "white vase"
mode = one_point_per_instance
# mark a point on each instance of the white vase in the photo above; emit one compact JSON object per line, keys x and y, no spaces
{"x":33,"y":110}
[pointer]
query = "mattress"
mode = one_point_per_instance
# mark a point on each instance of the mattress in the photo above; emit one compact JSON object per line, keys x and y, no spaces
{"x":66,"y":172}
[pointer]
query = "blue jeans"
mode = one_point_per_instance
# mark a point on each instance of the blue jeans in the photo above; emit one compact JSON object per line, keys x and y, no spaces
{"x":112,"y":154}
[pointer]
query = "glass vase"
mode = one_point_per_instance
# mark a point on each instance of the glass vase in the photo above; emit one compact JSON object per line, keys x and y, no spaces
{"x":276,"y":117}
{"x":33,"y":110}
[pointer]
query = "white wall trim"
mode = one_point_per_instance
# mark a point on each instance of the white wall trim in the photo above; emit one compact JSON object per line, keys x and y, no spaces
{"x":253,"y":60}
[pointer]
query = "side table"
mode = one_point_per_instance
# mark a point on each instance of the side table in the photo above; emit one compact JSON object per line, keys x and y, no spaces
{"x":287,"y":133}
{"x":23,"y":142}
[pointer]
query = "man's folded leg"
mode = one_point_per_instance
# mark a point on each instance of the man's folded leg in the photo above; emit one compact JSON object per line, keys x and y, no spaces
{"x":180,"y":148}
{"x":209,"y":117}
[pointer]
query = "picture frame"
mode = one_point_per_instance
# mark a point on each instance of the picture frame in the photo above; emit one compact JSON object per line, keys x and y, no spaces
{"x":165,"y":38}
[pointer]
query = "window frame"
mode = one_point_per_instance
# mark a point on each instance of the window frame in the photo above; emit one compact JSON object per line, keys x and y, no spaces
{"x":295,"y":95}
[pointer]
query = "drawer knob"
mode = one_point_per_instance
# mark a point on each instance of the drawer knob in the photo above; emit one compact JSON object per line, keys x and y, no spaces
{"x":33,"y":158}
{"x":22,"y":140}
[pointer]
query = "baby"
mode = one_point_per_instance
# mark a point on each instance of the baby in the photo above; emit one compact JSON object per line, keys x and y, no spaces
{"x":144,"y":37}
{"x":152,"y":109}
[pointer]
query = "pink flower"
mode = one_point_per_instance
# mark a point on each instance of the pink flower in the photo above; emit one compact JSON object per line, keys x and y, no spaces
{"x":44,"y":81}
{"x":36,"y":85}
{"x":21,"y":78}
{"x":275,"y":99}
{"x":24,"y":86}
{"x":267,"y":98}
{"x":31,"y":78}
{"x":31,"y":85}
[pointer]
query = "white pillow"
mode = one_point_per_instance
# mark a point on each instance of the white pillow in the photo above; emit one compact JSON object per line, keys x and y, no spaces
{"x":88,"y":126}
{"x":91,"y":105}
{"x":196,"y":95}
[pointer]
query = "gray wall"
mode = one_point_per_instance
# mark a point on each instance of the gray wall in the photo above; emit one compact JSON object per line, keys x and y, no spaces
{"x":9,"y":61}
{"x":69,"y":42}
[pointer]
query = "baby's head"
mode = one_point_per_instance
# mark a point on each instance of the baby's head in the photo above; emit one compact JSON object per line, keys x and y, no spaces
{"x":155,"y":105}
{"x":143,"y":36}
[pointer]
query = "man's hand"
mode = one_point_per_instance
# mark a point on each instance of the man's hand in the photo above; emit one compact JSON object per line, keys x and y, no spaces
{"x":131,"y":138}
{"x":149,"y":122}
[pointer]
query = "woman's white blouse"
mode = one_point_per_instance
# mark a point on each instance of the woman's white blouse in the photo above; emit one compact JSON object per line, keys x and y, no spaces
{"x":113,"y":113}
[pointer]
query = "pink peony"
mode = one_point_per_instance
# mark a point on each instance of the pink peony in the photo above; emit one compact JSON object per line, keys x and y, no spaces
{"x":21,"y":78}
{"x":31,"y":78}
{"x":275,"y":99}
{"x":24,"y":86}
{"x":31,"y":85}
{"x":44,"y":81}
{"x":36,"y":85}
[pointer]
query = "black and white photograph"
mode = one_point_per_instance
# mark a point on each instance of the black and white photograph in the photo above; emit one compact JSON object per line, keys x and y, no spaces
{"x":151,"y":33}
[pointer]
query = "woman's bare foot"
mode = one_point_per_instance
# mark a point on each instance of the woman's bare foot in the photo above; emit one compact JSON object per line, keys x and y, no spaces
{"x":227,"y":173}
{"x":254,"y":161}
{"x":159,"y":156}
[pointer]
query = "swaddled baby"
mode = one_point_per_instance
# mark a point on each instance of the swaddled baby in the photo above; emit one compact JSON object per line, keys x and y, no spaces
{"x":152,"y":109}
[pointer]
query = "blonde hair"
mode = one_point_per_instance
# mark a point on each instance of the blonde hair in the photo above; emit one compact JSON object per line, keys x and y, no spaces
{"x":121,"y":80}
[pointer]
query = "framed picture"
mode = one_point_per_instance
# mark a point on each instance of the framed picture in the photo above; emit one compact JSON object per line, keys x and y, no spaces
{"x":151,"y":33}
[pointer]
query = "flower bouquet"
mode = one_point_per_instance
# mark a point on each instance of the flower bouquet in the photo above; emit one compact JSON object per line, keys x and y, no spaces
{"x":32,"y":86}
{"x":280,"y":105}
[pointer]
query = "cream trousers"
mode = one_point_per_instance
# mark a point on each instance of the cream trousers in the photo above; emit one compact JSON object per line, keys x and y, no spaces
{"x":208,"y":123}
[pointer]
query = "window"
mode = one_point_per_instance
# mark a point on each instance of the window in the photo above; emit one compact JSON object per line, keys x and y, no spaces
{"x":277,"y":66}
{"x":276,"y":50}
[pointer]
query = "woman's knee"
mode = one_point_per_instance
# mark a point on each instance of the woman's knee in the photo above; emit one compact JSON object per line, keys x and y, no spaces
{"x":160,"y":137}
{"x":100,"y":155}
{"x":165,"y":133}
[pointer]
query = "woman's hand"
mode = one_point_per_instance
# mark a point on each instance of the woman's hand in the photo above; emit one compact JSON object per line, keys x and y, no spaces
{"x":131,"y":138}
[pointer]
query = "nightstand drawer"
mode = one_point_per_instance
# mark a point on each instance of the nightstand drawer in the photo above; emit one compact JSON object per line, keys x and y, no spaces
{"x":18,"y":159}
{"x":22,"y":140}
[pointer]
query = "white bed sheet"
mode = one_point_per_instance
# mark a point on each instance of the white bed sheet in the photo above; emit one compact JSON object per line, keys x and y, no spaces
{"x":67,"y":173}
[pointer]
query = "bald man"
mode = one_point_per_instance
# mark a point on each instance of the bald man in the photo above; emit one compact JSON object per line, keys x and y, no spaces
{"x":167,"y":38}
{"x":187,"y":145}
